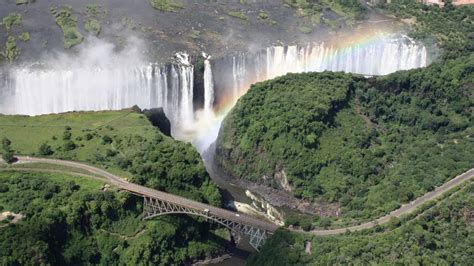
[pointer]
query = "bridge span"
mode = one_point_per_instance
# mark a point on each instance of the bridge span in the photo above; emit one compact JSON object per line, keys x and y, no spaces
{"x":157,"y":203}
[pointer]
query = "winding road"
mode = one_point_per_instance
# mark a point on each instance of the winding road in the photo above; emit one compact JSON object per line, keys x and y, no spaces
{"x":237,"y":217}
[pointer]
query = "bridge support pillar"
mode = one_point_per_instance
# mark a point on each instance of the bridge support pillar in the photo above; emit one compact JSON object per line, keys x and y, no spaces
{"x":155,"y":207}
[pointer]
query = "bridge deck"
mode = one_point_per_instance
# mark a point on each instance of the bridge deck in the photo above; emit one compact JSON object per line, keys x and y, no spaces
{"x":145,"y":191}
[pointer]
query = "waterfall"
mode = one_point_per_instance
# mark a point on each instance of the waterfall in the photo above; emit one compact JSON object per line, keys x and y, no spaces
{"x":239,"y":71}
{"x":34,"y":91}
{"x":185,"y":75}
{"x":208,"y":84}
{"x":380,"y":57}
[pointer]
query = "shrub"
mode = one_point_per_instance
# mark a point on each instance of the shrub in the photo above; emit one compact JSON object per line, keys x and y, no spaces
{"x":45,"y":150}
{"x":166,"y":5}
{"x":11,"y":51}
{"x":69,"y":145}
{"x":106,"y":139}
{"x":67,"y":135}
{"x":68,"y":24}
{"x":263,"y":15}
{"x":325,"y":222}
{"x":3,"y":188}
{"x":25,"y":36}
{"x":88,"y":136}
{"x":110,"y":153}
{"x":93,"y":26}
{"x":8,"y":156}
{"x":6,"y":144}
{"x":238,"y":14}
{"x":11,"y":20}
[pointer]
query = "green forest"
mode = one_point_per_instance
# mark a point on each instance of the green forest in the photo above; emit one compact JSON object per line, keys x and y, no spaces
{"x":392,"y":139}
{"x":369,"y":144}
{"x":123,"y":142}
{"x":443,"y":235}
{"x":449,"y":27}
{"x":71,"y":220}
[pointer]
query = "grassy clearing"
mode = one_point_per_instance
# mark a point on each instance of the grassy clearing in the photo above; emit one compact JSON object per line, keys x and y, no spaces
{"x":68,"y":25}
{"x":85,"y":224}
{"x":45,"y":166}
{"x":84,"y":136}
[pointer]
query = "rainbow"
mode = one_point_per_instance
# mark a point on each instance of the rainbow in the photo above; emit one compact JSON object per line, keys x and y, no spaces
{"x":367,"y":52}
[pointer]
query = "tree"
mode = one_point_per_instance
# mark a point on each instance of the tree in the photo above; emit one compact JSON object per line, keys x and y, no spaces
{"x":45,"y":150}
{"x":7,"y":154}
{"x":6,"y":144}
{"x":67,"y":135}
{"x":106,"y":139}
{"x":69,"y":145}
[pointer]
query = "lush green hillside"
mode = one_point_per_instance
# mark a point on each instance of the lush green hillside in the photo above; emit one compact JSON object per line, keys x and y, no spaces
{"x":71,"y":220}
{"x":79,"y":224}
{"x":121,"y":141}
{"x":444,"y":235}
{"x":368,"y":144}
{"x":395,"y":138}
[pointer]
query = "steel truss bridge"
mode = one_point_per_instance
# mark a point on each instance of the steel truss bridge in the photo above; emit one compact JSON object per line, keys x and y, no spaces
{"x":157,"y":203}
{"x":155,"y":207}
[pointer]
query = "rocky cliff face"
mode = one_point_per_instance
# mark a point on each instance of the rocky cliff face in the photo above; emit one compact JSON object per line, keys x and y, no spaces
{"x":198,"y":82}
{"x":158,"y":119}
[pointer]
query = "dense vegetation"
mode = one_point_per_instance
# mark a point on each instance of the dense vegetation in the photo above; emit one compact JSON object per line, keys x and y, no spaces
{"x":73,"y":221}
{"x":67,"y":225}
{"x":395,"y":138}
{"x":369,"y":144}
{"x":124,"y":141}
{"x":451,"y":27}
{"x":442,"y":235}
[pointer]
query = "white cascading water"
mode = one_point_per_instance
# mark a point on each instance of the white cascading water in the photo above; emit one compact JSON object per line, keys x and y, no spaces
{"x":33,"y":91}
{"x":186,"y":75}
{"x":377,"y":58}
{"x":208,"y":84}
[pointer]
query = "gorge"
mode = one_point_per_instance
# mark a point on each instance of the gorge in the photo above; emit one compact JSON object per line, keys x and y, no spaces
{"x":196,"y":112}
{"x":346,"y":124}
